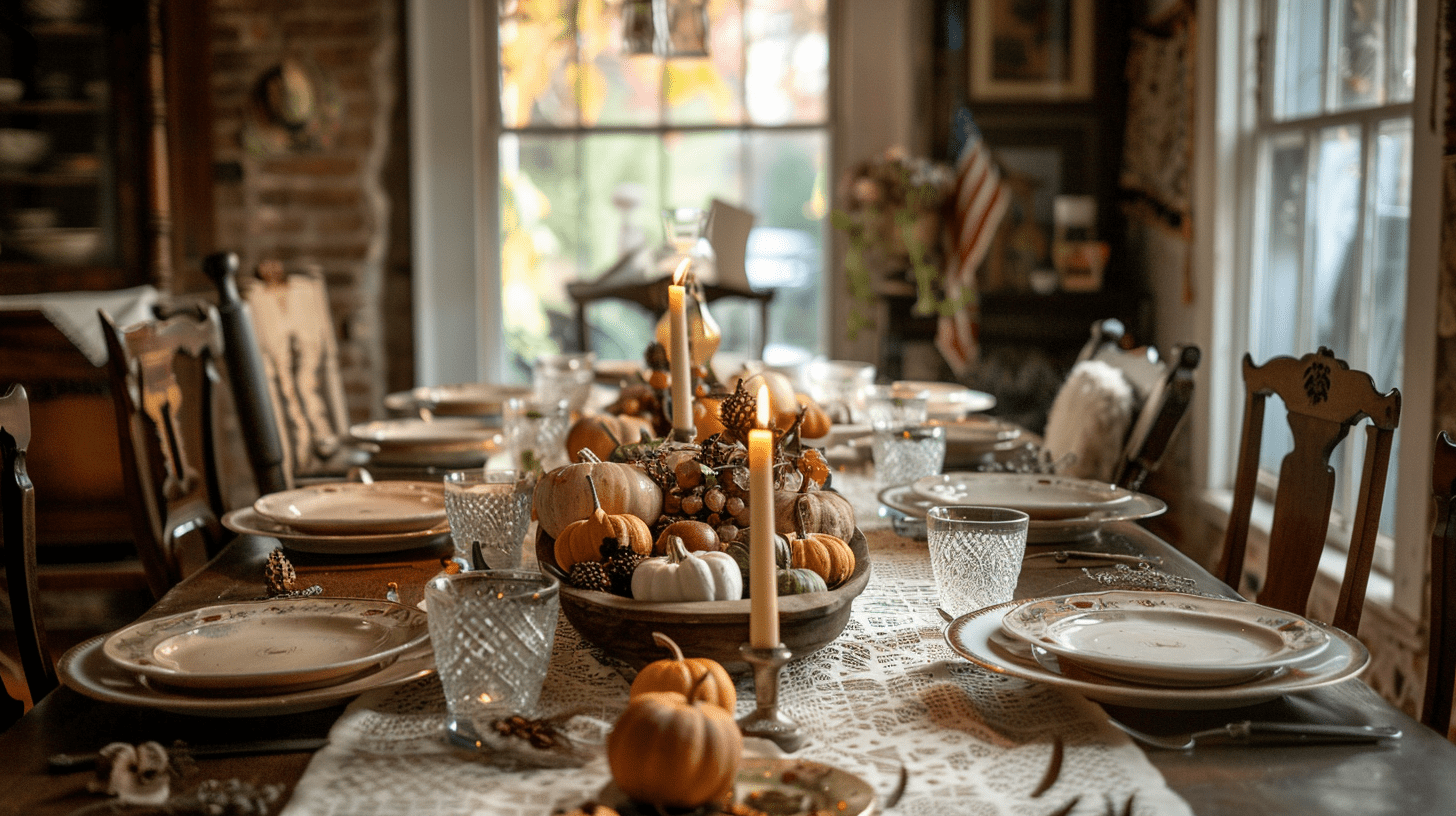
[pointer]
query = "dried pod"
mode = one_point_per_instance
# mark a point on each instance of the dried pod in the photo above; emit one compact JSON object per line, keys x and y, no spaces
{"x":715,"y":499}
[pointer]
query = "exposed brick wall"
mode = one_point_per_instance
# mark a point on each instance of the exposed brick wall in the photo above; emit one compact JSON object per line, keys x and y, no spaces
{"x":338,"y":203}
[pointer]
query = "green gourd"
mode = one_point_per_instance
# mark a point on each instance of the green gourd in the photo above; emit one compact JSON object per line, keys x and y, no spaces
{"x":800,"y":581}
{"x":739,"y":550}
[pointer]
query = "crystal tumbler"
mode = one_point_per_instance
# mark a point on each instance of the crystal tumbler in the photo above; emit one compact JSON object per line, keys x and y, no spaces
{"x":492,"y":632}
{"x":906,"y":453}
{"x":535,"y":432}
{"x":564,"y":377}
{"x":887,"y":406}
{"x":492,"y":507}
{"x":976,"y":554}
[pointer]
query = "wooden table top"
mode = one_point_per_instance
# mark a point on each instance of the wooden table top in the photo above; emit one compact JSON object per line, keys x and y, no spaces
{"x":1416,"y":774}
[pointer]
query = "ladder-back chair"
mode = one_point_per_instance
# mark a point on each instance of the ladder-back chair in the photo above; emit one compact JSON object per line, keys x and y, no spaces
{"x":17,"y":538}
{"x":1324,"y":398}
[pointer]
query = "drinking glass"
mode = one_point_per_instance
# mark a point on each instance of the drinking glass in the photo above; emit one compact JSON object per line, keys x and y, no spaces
{"x":976,"y":554}
{"x":890,"y":406}
{"x":493,"y":508}
{"x":839,"y":387}
{"x":564,"y":377}
{"x":492,"y":632}
{"x":905,"y":453}
{"x":535,"y":432}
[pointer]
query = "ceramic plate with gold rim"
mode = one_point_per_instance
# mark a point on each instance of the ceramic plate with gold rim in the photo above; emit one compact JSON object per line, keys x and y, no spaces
{"x":1042,"y":496}
{"x":267,"y":646}
{"x":904,"y":499}
{"x":356,"y":507}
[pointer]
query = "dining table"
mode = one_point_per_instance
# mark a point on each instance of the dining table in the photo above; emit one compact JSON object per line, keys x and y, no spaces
{"x":888,"y":700}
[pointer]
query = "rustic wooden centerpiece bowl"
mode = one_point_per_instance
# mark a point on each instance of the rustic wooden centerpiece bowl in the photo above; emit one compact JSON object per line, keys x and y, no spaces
{"x":623,"y":627}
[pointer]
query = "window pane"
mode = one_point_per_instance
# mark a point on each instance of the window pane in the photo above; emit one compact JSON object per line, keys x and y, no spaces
{"x":701,"y":166}
{"x":1335,"y":201}
{"x":536,"y":62}
{"x":709,"y":91}
{"x":615,"y":88}
{"x":1276,"y":286}
{"x":788,"y":62}
{"x":787,"y":194}
{"x":1298,"y":69}
{"x":1390,"y":217}
{"x":610,"y":161}
{"x":1359,"y":49}
{"x":540,"y":241}
{"x":1401,"y":75}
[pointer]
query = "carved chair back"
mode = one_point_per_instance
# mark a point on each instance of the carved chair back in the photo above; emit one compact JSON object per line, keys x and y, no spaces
{"x":300,"y":362}
{"x":162,"y":383}
{"x":17,"y":539}
{"x":1324,"y":399}
{"x":1441,"y":656}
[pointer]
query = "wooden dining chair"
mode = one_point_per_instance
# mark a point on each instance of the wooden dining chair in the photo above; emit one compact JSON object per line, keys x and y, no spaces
{"x":1324,"y":399}
{"x":1162,"y":390}
{"x":162,"y":383}
{"x":1441,"y":655}
{"x":17,"y":539}
{"x":292,"y":345}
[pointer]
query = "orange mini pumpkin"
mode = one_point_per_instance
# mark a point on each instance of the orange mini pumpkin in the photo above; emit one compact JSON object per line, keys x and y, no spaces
{"x":582,"y":540}
{"x":669,"y":751}
{"x":824,"y":554}
{"x":604,"y":433}
{"x":816,"y":422}
{"x":697,"y":678}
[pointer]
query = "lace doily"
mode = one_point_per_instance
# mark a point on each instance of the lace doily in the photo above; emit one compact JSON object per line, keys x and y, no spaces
{"x":887,"y":692}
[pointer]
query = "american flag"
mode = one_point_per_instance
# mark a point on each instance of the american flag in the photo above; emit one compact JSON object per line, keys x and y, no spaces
{"x":980,"y":203}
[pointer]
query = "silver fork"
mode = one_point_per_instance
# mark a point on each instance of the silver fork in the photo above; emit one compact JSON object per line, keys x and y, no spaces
{"x":1246,"y":732}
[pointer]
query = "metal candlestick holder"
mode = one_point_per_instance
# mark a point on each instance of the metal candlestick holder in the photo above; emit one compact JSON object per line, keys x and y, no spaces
{"x":682,"y":435}
{"x":766,"y":721}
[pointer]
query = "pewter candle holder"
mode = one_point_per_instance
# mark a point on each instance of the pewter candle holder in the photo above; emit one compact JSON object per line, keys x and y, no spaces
{"x":766,"y":721}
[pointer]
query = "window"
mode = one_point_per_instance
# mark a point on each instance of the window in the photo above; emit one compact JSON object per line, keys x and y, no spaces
{"x":594,"y":143}
{"x":1328,"y":144}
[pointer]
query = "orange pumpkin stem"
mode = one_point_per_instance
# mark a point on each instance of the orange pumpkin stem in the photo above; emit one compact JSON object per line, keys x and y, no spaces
{"x":668,"y":643}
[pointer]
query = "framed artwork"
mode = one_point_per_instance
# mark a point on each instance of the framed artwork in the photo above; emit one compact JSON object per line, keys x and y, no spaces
{"x":1038,"y":163}
{"x":1031,"y":50}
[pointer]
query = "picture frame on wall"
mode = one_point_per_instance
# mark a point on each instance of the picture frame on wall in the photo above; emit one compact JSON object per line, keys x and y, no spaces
{"x":1031,"y":50}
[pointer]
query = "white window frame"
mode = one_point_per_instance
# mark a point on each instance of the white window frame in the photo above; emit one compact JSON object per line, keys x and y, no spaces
{"x":1228,"y":71}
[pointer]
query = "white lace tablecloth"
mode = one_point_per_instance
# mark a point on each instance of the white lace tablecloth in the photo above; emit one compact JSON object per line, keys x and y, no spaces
{"x":888,"y":691}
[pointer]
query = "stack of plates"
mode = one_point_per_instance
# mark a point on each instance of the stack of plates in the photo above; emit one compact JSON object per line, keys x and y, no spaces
{"x":1062,"y":508}
{"x":948,"y":402}
{"x":461,"y":399}
{"x":978,"y":438}
{"x":457,"y":442}
{"x":254,"y":658}
{"x":345,"y":518}
{"x":1158,"y":649}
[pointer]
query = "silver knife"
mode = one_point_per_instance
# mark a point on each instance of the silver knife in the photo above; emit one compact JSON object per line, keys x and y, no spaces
{"x":73,"y":762}
{"x":1063,"y":556}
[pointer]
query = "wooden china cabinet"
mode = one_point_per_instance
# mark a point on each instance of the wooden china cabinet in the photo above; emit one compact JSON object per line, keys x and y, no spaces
{"x":119,"y":196}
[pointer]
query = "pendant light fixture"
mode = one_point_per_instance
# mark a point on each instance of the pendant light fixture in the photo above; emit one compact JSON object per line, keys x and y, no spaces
{"x":667,"y":28}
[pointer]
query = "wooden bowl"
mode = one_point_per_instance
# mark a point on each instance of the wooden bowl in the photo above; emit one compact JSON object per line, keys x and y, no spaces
{"x":623,"y":627}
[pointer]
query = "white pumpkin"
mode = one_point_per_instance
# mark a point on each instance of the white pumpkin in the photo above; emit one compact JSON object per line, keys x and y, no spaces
{"x":687,"y":576}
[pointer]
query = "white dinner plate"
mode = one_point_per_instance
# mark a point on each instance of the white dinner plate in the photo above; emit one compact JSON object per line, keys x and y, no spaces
{"x":972,"y":636}
{"x":1041,"y":496}
{"x":1039,"y":531}
{"x":1165,"y":638}
{"x":285,"y":644}
{"x":247,"y":521}
{"x":948,"y":401}
{"x":85,"y":669}
{"x":444,"y":442}
{"x":458,"y":399}
{"x":356,"y":507}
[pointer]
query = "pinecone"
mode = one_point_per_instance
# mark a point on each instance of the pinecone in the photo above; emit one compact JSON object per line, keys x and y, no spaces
{"x":589,"y":575}
{"x":279,"y":574}
{"x":620,"y":562}
{"x":738,"y":412}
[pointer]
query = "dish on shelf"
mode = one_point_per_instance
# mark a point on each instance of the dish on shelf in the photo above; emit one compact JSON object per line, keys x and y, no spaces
{"x":286,"y":644}
{"x":11,"y":90}
{"x":86,"y":670}
{"x":623,"y":627}
{"x":20,"y":148}
{"x":341,"y":508}
{"x":1164,"y":638}
{"x":58,"y":245}
{"x":22,"y":218}
{"x":974,"y":636}
{"x":245,"y":520}
{"x":904,"y":499}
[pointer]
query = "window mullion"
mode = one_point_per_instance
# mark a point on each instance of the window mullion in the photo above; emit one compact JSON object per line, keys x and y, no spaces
{"x":1304,"y":317}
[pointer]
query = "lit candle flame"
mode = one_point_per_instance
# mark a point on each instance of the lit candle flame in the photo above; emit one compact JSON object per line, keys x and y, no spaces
{"x":681,"y":273}
{"x":763,"y":406}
